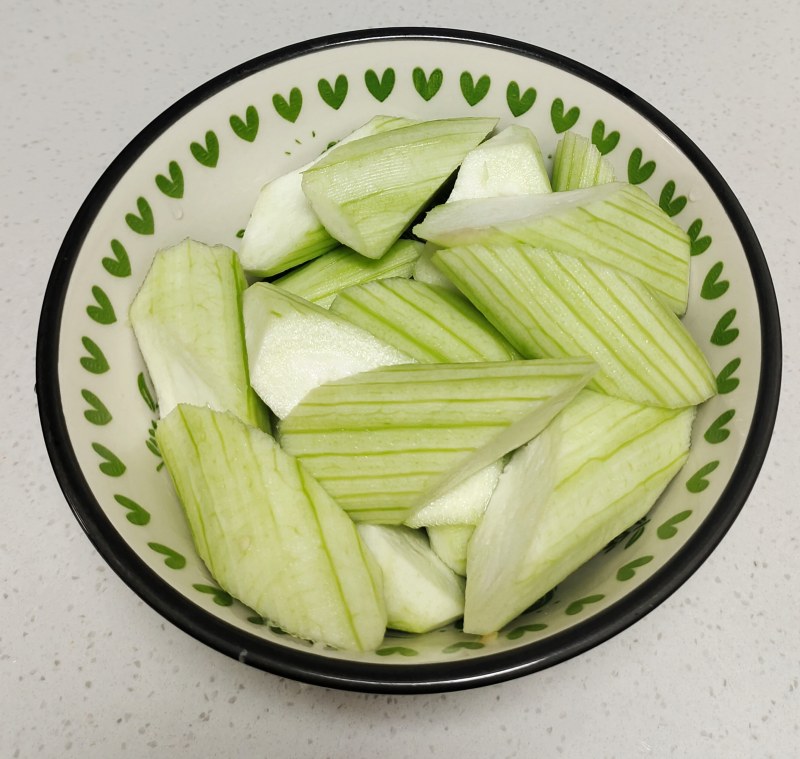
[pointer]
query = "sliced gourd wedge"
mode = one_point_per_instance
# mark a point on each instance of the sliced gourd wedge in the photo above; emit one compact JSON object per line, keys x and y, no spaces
{"x":283,"y":230}
{"x":578,"y":163}
{"x":270,"y":535}
{"x":420,"y":590}
{"x":426,"y":271}
{"x":449,"y":542}
{"x":552,"y":304}
{"x":388,"y":441}
{"x":367,"y":192}
{"x":596,"y":470}
{"x":510,"y":163}
{"x":617,"y":224}
{"x":462,"y":504}
{"x":294,"y":345}
{"x":429,"y":323}
{"x":321,"y":279}
{"x":187,"y":318}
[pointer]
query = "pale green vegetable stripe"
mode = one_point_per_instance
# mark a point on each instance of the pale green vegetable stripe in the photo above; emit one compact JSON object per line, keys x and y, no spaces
{"x":283,"y":230}
{"x":269,"y":533}
{"x":608,"y":460}
{"x":187,"y":319}
{"x":578,"y":163}
{"x":497,"y":557}
{"x":550,"y":304}
{"x":630,"y":204}
{"x":428,"y":323}
{"x":616,"y":223}
{"x":368,"y":191}
{"x":321,"y":279}
{"x":386,"y":442}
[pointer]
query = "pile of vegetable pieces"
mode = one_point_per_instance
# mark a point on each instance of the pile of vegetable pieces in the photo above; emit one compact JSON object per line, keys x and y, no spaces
{"x":372,"y":423}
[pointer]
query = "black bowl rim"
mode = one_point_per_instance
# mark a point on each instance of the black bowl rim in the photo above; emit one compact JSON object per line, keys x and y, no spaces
{"x":310,"y":667}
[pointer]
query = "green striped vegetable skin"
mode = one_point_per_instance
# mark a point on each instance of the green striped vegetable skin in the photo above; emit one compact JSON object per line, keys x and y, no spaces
{"x":283,"y":230}
{"x":597,"y":468}
{"x":321,"y":279}
{"x":551,"y":304}
{"x":367,"y":192}
{"x":270,"y":535}
{"x":429,"y":323}
{"x":578,"y":163}
{"x":190,"y":357}
{"x":617,"y":224}
{"x":386,"y":442}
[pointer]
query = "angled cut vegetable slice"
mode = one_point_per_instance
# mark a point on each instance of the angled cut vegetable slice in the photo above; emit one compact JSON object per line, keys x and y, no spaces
{"x":552,"y":304}
{"x":432,"y":324}
{"x":510,"y":163}
{"x":368,"y":191}
{"x":426,"y":271}
{"x":294,"y":345}
{"x":578,"y":163}
{"x":187,"y":319}
{"x":449,"y":542}
{"x":386,"y":442}
{"x":429,"y":323}
{"x":615,"y":223}
{"x":420,"y":590}
{"x":283,"y":230}
{"x":462,"y":504}
{"x":269,"y":533}
{"x":597,"y":469}
{"x":321,"y":279}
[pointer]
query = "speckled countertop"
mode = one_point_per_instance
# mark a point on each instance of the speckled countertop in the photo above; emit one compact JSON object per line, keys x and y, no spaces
{"x":87,"y":669}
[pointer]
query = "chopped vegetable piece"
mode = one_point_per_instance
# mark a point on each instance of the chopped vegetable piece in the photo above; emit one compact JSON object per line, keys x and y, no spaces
{"x":321,"y":279}
{"x":293,"y":346}
{"x":367,"y":192}
{"x":283,"y":230}
{"x":449,"y":542}
{"x":270,"y":535}
{"x":427,"y":322}
{"x":187,"y":318}
{"x":578,"y":163}
{"x":463,"y":504}
{"x":616,"y":224}
{"x":426,"y":271}
{"x":596,"y":470}
{"x":386,"y":442}
{"x":551,"y":304}
{"x":420,"y":590}
{"x":510,"y":163}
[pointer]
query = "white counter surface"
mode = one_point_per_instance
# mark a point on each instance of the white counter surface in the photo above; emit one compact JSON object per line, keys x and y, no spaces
{"x":89,"y":670}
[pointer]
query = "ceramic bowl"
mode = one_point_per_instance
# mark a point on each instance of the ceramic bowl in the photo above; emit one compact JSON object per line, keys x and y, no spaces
{"x":195,"y":172}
